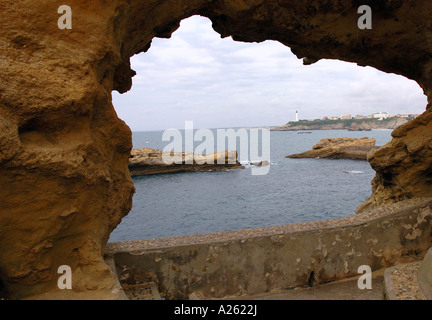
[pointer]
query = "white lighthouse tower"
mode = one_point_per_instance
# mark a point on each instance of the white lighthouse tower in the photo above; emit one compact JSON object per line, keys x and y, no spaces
{"x":297,"y":118}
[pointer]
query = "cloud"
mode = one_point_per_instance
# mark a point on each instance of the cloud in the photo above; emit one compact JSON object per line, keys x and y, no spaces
{"x":217,"y":82}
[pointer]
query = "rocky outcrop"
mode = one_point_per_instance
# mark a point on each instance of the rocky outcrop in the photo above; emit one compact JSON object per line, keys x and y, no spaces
{"x":404,"y":165}
{"x":148,"y":161}
{"x":64,"y":152}
{"x":339,"y":148}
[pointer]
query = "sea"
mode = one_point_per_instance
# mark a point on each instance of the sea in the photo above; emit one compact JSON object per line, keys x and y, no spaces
{"x":292,"y":191}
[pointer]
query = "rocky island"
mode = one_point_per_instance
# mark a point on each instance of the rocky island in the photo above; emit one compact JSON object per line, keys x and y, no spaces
{"x":148,"y":161}
{"x":340,"y":148}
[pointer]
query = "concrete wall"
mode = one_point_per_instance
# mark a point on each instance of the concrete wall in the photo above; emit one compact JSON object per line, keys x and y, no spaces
{"x":424,"y":276}
{"x":267,"y":259}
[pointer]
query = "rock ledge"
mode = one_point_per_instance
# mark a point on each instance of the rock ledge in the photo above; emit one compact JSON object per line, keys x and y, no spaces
{"x":149,"y":161}
{"x":340,"y":148}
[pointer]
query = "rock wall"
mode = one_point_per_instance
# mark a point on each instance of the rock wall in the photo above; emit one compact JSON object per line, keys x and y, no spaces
{"x":64,"y":152}
{"x":404,"y":165}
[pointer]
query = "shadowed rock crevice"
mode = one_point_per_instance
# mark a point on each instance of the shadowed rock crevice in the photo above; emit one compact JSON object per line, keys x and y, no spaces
{"x":64,"y":152}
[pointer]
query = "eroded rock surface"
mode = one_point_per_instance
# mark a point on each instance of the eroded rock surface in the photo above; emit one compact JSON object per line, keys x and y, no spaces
{"x":148,"y":161}
{"x":64,"y":152}
{"x":339,"y":148}
{"x":404,"y":165}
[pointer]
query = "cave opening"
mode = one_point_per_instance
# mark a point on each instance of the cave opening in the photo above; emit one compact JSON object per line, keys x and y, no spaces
{"x":219,"y":83}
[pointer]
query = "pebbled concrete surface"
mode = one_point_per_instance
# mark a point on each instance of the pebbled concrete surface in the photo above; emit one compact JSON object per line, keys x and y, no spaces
{"x":400,"y":282}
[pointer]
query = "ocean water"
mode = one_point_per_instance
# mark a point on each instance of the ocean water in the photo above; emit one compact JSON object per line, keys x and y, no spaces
{"x":294,"y":190}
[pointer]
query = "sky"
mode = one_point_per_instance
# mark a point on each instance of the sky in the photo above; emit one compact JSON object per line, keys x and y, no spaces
{"x":218,"y":83}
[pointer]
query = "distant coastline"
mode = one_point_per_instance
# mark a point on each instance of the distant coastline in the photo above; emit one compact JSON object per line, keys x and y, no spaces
{"x":344,"y":124}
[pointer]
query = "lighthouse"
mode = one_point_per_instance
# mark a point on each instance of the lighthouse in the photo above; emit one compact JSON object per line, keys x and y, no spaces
{"x":297,"y":118}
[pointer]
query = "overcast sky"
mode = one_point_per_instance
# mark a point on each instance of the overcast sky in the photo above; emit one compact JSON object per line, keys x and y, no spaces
{"x":217,"y":83}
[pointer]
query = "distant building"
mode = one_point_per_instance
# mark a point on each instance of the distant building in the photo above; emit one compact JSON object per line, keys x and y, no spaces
{"x":359,"y":116}
{"x":297,"y":117}
{"x":346,"y":116}
{"x":334,"y":118}
{"x":325,"y":118}
{"x":381,"y":115}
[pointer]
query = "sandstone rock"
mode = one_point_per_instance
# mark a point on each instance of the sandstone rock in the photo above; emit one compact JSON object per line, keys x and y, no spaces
{"x":404,"y":165}
{"x":261,"y":163}
{"x":64,"y":152}
{"x":151,"y":161}
{"x":340,"y":148}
